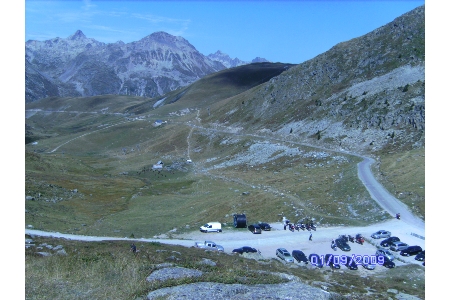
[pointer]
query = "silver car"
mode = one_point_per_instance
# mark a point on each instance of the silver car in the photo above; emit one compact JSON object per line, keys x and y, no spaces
{"x":283,"y":254}
{"x":385,"y":253}
{"x":368,"y":265}
{"x":381,"y":234}
{"x":398,"y":246}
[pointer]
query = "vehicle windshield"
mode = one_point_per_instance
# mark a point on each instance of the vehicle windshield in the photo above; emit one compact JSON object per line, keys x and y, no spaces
{"x":287,"y":254}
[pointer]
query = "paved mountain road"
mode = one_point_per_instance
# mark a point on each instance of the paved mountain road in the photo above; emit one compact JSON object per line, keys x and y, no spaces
{"x":388,"y":202}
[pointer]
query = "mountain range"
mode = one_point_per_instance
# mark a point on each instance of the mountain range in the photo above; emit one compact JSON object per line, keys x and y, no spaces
{"x":80,"y":66}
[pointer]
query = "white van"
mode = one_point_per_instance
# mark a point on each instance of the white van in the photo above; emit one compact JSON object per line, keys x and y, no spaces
{"x":211,"y":227}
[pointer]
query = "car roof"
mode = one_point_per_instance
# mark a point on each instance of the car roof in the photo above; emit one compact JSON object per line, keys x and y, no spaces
{"x":398,"y":243}
{"x":414,"y":247}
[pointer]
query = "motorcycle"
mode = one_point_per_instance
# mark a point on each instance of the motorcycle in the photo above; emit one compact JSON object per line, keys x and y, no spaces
{"x":359,"y":239}
{"x":302,"y":226}
{"x":397,"y":216}
{"x":291,"y":227}
{"x":313,"y":227}
{"x":351,"y":239}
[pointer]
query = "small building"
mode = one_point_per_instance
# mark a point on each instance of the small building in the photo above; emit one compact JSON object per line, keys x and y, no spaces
{"x":158,"y":166}
{"x":159,"y":123}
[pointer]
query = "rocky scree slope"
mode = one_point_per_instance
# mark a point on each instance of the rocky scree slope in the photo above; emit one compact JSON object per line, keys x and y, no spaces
{"x":363,"y":95}
{"x":81,"y":66}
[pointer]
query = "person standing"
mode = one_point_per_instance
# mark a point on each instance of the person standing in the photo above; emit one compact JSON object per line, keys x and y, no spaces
{"x":310,"y":236}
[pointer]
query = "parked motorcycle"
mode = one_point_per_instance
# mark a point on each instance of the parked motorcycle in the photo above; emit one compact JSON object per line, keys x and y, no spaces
{"x":359,"y":239}
{"x":313,"y":227}
{"x":291,"y":227}
{"x":351,"y":238}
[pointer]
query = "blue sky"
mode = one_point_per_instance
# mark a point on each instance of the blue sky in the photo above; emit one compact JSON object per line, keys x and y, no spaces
{"x":280,"y":31}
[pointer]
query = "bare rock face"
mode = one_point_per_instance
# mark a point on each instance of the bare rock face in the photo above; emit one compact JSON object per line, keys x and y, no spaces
{"x":211,"y":290}
{"x":173,"y":273}
{"x":81,"y":66}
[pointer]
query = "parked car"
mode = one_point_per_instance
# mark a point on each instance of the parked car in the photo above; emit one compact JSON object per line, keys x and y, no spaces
{"x":254,"y":228}
{"x":381,"y":234}
{"x":245,"y":249}
{"x":209,"y":245}
{"x":332,"y":261}
{"x":388,"y":242}
{"x":388,"y":263}
{"x":283,"y":254}
{"x":398,"y":246}
{"x":265,"y":226}
{"x":350,"y":263}
{"x":411,"y":250}
{"x":420,"y":256}
{"x":386,"y":253}
{"x":211,"y":227}
{"x":368,"y":265}
{"x":315,"y":260}
{"x":299,"y":256}
{"x":342,"y":244}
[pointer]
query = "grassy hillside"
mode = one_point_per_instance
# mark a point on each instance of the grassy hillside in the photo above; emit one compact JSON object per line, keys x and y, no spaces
{"x":267,"y":140}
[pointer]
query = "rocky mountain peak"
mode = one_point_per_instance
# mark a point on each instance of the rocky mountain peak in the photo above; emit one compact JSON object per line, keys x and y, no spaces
{"x":81,"y":66}
{"x":78,"y":35}
{"x":227,"y":61}
{"x":259,"y":59}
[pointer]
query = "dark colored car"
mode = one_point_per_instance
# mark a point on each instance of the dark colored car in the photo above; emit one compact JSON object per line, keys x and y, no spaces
{"x":388,"y":242}
{"x":332,"y":261}
{"x":254,"y":228}
{"x":388,"y":263}
{"x":315,"y":260}
{"x":300,"y":256}
{"x":350,"y":263}
{"x":411,"y":250}
{"x":420,"y":256}
{"x":265,"y":226}
{"x":245,"y":249}
{"x":342,"y":244}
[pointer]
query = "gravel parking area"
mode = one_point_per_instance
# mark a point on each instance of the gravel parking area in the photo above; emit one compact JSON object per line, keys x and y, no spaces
{"x":268,"y":241}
